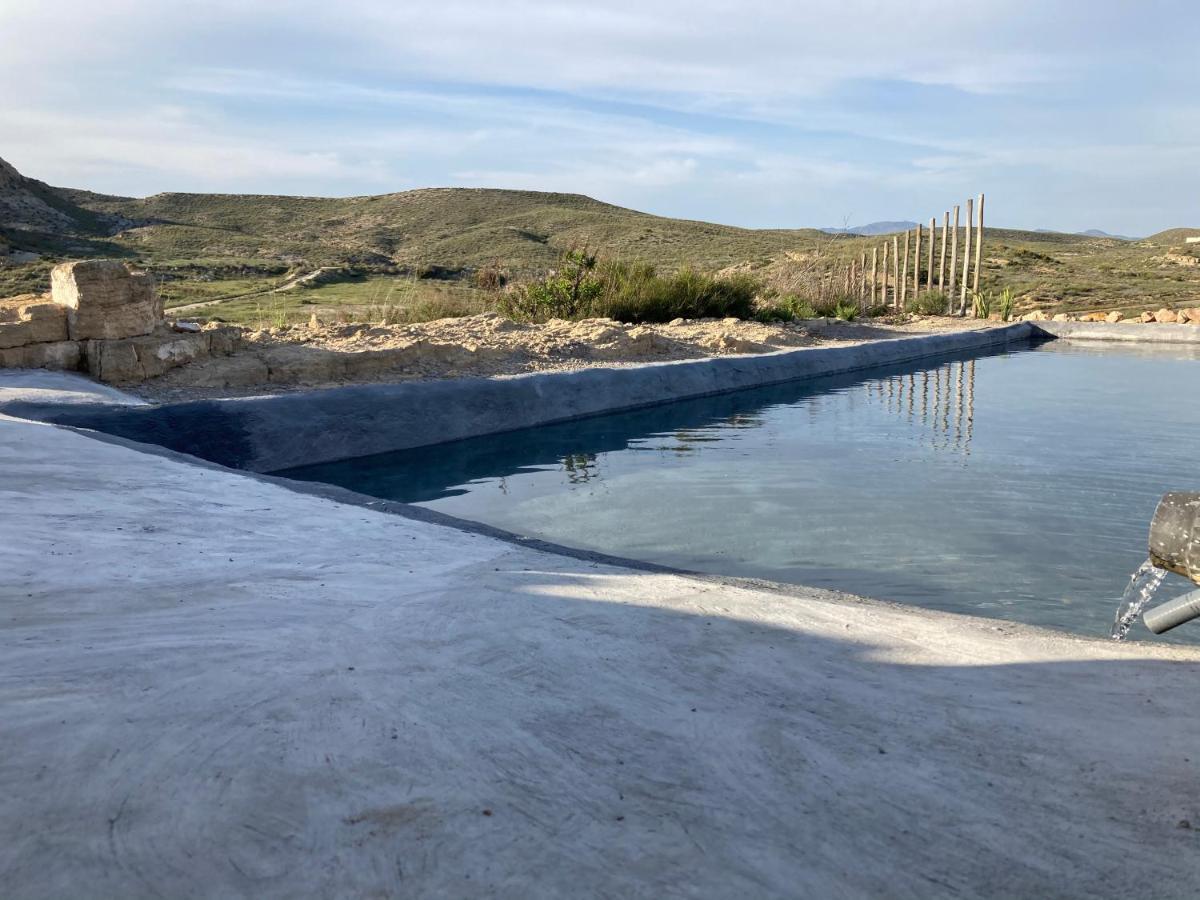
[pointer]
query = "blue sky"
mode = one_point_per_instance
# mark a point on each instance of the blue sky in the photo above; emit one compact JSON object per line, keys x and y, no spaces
{"x":1069,"y":115}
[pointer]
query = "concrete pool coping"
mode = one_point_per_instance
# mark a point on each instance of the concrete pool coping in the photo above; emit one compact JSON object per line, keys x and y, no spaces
{"x":272,"y":433}
{"x":277,"y":432}
{"x":231,"y":685}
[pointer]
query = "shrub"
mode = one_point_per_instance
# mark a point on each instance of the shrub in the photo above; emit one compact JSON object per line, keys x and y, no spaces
{"x":981,"y":304}
{"x":835,"y":306}
{"x":491,"y":277}
{"x":630,"y":293}
{"x":930,"y":303}
{"x":846,"y":310}
{"x":1007,"y":301}
{"x":566,"y":294}
{"x":787,"y":308}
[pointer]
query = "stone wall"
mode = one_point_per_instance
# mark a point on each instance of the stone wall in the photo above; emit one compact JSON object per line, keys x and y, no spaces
{"x":103,"y":318}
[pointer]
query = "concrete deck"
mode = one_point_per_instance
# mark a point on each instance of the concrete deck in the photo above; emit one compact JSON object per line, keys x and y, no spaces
{"x":214,"y":686}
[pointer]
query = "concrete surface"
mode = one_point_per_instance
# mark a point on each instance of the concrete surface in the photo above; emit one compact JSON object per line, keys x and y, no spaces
{"x":40,"y":386}
{"x":1127,"y":332}
{"x":214,"y":686}
{"x":265,"y":434}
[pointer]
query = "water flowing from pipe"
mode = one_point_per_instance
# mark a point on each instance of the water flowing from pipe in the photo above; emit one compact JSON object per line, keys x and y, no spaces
{"x":1142,"y":585}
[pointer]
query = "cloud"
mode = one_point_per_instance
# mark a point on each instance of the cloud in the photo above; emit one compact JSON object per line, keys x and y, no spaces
{"x":754,"y":112}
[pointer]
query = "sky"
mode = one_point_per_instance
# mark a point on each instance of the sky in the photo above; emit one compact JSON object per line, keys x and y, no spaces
{"x":760,"y":113}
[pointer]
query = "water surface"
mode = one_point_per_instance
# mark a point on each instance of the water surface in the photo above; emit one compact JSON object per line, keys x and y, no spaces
{"x":1018,"y":485}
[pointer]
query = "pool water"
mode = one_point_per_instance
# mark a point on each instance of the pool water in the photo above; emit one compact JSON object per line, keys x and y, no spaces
{"x":1018,"y":485}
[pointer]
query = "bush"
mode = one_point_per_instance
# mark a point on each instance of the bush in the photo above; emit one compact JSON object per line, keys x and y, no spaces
{"x":1006,"y":304}
{"x":846,"y":310}
{"x":786,"y":309}
{"x":638,"y":294}
{"x":630,"y":293}
{"x":491,"y":277}
{"x":930,"y":303}
{"x":566,"y":294}
{"x":981,"y":304}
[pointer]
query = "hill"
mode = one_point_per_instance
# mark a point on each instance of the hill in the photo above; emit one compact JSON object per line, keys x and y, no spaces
{"x":250,"y":252}
{"x":873,"y":228}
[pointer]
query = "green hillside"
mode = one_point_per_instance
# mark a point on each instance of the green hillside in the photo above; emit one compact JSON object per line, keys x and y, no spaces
{"x":208,"y":248}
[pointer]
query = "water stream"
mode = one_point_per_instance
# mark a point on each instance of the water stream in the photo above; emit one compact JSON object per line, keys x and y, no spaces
{"x":1142,"y":586}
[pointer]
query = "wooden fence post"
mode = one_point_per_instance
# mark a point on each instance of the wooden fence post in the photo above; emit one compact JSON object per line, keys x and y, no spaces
{"x":953,"y":263}
{"x":978,"y":247}
{"x":929,"y":265}
{"x":942,"y":259}
{"x":962,"y":302}
{"x":862,"y":276}
{"x":874,"y":272}
{"x":917,"y":265}
{"x":896,"y":271}
{"x":904,"y":271}
{"x":883,"y":289}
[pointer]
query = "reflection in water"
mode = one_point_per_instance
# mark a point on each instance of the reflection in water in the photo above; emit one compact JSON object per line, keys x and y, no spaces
{"x":945,"y":408}
{"x":580,"y":467}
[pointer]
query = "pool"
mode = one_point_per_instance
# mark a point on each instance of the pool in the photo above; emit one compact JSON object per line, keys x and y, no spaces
{"x":1018,"y":485}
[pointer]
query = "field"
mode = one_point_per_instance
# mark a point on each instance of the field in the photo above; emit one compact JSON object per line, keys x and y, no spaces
{"x":425,"y":252}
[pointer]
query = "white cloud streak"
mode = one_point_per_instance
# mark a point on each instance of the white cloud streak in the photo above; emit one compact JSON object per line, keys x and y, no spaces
{"x":757,"y":112}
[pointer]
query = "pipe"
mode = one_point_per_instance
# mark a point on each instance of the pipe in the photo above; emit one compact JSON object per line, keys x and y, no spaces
{"x":1175,"y":535}
{"x":1172,"y":613}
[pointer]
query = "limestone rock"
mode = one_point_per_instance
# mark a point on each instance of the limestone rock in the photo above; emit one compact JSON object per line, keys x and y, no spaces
{"x":1113,"y":317}
{"x":55,"y":355}
{"x":128,"y":360}
{"x":1190,"y":315}
{"x":1062,"y":317}
{"x":105,"y":300}
{"x":1036,"y":316}
{"x":1166,"y":315}
{"x":30,"y":319}
{"x":1146,"y":317}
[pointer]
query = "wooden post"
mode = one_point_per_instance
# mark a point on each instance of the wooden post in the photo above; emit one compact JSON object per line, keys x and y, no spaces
{"x":942,"y":259}
{"x":883,"y":291}
{"x":874,"y":272}
{"x":953,"y":264}
{"x":929,"y":265}
{"x":862,"y":275}
{"x":978,"y":247}
{"x":904,"y":271}
{"x":896,"y":271}
{"x":917,"y":265}
{"x":962,"y":301}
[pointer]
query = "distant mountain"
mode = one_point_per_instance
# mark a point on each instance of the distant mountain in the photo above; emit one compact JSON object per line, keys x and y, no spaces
{"x":873,"y":228}
{"x":1096,"y":232}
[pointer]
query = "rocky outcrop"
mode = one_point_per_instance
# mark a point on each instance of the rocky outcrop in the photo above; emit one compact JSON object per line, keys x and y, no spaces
{"x":105,"y":300}
{"x":31,"y":319}
{"x":131,"y":360}
{"x":106,"y":319}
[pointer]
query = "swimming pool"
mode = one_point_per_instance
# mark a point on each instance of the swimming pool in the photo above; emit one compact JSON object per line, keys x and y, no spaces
{"x":1018,"y":485}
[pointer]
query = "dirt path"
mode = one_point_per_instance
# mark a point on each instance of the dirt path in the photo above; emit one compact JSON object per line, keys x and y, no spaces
{"x":292,"y":282}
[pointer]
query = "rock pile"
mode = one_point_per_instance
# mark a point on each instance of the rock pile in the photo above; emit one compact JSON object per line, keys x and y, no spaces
{"x":105,"y":319}
{"x":1190,"y":316}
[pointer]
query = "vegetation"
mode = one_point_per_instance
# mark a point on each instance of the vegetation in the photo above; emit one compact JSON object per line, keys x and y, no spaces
{"x":931,"y":303}
{"x":584,"y":287}
{"x":465,"y":248}
{"x":1007,"y":301}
